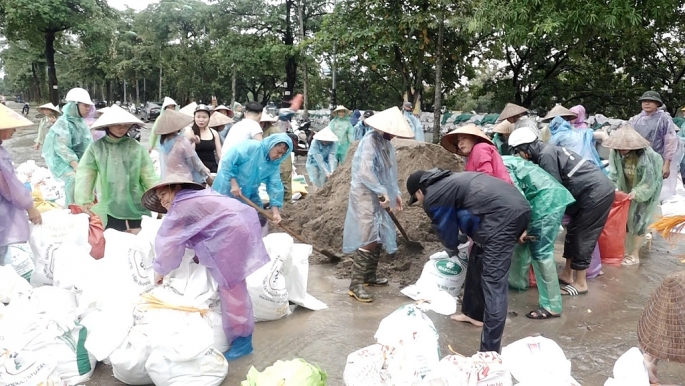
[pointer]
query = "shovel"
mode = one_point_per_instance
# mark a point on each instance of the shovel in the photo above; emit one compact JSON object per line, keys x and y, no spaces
{"x":332,"y":256}
{"x":410,"y":243}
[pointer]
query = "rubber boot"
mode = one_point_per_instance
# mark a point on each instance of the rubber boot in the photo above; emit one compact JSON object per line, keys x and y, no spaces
{"x":240,"y":347}
{"x":361,"y":261}
{"x":370,"y":278}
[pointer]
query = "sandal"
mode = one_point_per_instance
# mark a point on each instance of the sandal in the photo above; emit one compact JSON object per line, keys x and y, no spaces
{"x":541,"y":314}
{"x":572,"y":291}
{"x":630,"y":260}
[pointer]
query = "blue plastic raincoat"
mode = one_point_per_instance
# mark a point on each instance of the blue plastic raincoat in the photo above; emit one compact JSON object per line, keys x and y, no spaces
{"x":374,"y":172}
{"x":249,"y":163}
{"x":416,"y":125}
{"x":320,"y":161}
{"x":579,"y":141}
{"x":342,"y":128}
{"x":360,"y":130}
{"x":355,"y":118}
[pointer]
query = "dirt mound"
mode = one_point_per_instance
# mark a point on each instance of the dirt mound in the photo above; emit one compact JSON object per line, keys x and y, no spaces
{"x":321,"y":216}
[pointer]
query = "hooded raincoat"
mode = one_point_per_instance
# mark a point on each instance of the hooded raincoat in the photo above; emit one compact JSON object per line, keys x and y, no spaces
{"x":227,"y":239}
{"x":360,"y":130}
{"x":342,"y":128}
{"x":15,"y":200}
{"x":374,"y":172}
{"x":548,"y":200}
{"x":503,"y":215}
{"x":594,"y":194}
{"x":416,"y":126}
{"x":320,"y":161}
{"x":122,"y":170}
{"x":354,"y":119}
{"x":581,"y":116}
{"x":66,"y":141}
{"x":249,"y":163}
{"x":177,"y":156}
{"x":484,"y":158}
{"x":579,"y":141}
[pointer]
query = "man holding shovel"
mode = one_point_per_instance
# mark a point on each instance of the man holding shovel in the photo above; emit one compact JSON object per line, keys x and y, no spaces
{"x":373,"y":188}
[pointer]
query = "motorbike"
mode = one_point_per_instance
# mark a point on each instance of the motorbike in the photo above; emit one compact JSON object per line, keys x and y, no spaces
{"x":134,"y":132}
{"x":132,"y":108}
{"x":25,"y":109}
{"x":301,"y":135}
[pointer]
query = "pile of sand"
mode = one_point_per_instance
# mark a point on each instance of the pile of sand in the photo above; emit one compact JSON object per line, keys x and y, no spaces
{"x":320,"y":217}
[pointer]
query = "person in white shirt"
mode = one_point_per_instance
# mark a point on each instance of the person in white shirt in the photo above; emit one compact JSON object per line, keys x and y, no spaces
{"x":248,"y":128}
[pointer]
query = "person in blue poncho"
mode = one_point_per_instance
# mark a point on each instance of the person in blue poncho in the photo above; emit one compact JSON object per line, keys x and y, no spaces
{"x":579,"y":141}
{"x":251,"y":163}
{"x":414,"y":122}
{"x":355,"y":117}
{"x":321,"y":157}
{"x":360,"y":129}
{"x":68,"y":140}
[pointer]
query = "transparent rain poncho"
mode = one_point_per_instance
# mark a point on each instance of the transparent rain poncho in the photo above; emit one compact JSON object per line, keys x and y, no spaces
{"x":249,"y":163}
{"x":360,"y":130}
{"x":122,"y":170}
{"x":177,"y":156}
{"x":658,"y":129}
{"x":66,"y":141}
{"x":374,"y":172}
{"x":416,"y":126}
{"x":320,"y":161}
{"x":579,"y":141}
{"x":15,"y":200}
{"x":342,"y":128}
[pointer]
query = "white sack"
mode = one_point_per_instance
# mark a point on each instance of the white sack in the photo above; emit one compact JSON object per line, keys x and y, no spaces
{"x":26,"y":369}
{"x":629,"y":370}
{"x":482,"y":369}
{"x":128,"y":361}
{"x":208,"y":370}
{"x":296,"y":272}
{"x":11,"y":284}
{"x":268,"y":292}
{"x":445,"y":272}
{"x":20,"y":257}
{"x":367,"y":366}
{"x":431,"y":298}
{"x":538,"y":361}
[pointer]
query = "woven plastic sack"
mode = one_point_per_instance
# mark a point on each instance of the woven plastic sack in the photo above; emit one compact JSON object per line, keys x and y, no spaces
{"x":96,"y":233}
{"x":613,"y":237}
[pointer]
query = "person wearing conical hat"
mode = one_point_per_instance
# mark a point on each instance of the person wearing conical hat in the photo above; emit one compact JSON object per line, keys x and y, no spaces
{"x":469,"y":141}
{"x":414,"y":122}
{"x":501,"y":135}
{"x":167,"y":104}
{"x":15,"y":198}
{"x":68,"y":140}
{"x":270,"y":126}
{"x":321,"y":157}
{"x":635,"y":169}
{"x":512,"y":113}
{"x":122,"y":171}
{"x":361,"y":128}
{"x":559,"y":111}
{"x":342,"y":128}
{"x":219,"y":121}
{"x":368,"y":227}
{"x":227,"y":112}
{"x":50,"y":114}
{"x":226,"y":237}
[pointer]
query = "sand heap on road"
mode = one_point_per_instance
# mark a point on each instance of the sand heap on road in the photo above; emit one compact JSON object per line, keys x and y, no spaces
{"x":321,"y":216}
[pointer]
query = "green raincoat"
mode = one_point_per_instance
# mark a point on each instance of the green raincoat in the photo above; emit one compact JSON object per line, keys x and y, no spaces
{"x":122,"y":171}
{"x":501,"y":144}
{"x":647,"y":182}
{"x":345,"y":132}
{"x":43,"y":129}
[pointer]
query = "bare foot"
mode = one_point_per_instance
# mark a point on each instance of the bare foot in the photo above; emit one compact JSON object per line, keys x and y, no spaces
{"x":466,"y":319}
{"x":650,"y":365}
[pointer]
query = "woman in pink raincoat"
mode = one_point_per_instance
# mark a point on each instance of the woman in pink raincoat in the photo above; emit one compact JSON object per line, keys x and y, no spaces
{"x":227,"y":239}
{"x":482,"y":156}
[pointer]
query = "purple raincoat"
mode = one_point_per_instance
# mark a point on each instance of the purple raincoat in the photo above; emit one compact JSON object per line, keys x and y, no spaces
{"x":15,"y":200}
{"x":579,"y":122}
{"x":657,"y":128}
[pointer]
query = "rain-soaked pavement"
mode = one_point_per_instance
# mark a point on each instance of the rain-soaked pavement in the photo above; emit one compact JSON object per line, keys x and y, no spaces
{"x":594,"y":329}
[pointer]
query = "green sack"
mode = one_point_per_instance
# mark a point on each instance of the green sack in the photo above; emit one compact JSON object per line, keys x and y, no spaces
{"x":296,"y":372}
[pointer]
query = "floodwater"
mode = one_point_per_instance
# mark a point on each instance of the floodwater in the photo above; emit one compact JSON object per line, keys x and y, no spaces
{"x":594,"y":329}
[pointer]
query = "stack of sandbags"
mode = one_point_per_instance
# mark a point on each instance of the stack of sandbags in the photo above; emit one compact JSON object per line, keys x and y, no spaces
{"x":35,"y":176}
{"x":538,"y":361}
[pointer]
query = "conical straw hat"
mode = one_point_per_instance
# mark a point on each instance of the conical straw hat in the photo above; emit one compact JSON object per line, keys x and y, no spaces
{"x":340,"y":108}
{"x":391,"y":121}
{"x":511,"y":110}
{"x":172,"y":121}
{"x":49,"y":106}
{"x":450,"y":140}
{"x":219,"y":120}
{"x":626,"y":138}
{"x":504,"y":127}
{"x":222,"y":107}
{"x":189,"y":110}
{"x":115,"y":116}
{"x":559,"y":111}
{"x":150,"y":199}
{"x":10,"y":119}
{"x":268,"y":118}
{"x":103,"y":110}
{"x":326,"y":135}
{"x":661,"y":328}
{"x":168,"y":102}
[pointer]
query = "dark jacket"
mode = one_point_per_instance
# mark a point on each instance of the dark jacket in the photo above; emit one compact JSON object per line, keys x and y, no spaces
{"x":474,"y":203}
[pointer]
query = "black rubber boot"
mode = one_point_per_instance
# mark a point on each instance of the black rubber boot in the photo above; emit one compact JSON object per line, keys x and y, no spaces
{"x":370,"y":277}
{"x":360,"y":267}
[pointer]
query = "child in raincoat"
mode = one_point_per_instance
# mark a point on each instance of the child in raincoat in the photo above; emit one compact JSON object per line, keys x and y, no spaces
{"x":50,"y":114}
{"x":168,"y":104}
{"x":321,"y":157}
{"x":251,"y":163}
{"x":226,"y":237}
{"x":15,"y":198}
{"x":482,"y":156}
{"x":342,"y":128}
{"x":414,"y":122}
{"x":121,"y":169}
{"x":548,"y":200}
{"x":68,"y":140}
{"x":373,"y":189}
{"x":635,"y":168}
{"x":176,"y":153}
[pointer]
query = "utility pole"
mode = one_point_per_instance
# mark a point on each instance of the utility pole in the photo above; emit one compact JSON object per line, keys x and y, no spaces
{"x":305,"y":91}
{"x":233,"y":87}
{"x":437,"y":104}
{"x":124,"y":92}
{"x":160,"y":83}
{"x":334,"y":96}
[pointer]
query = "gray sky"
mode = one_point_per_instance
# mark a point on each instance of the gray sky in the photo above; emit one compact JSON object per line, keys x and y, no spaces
{"x":135,"y":4}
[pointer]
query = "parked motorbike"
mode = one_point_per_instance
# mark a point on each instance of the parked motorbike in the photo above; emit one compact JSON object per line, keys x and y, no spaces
{"x":25,"y":109}
{"x":132,"y":108}
{"x":301,"y":135}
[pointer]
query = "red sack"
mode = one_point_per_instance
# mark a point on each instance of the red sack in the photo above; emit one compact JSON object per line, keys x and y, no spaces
{"x":531,"y":278}
{"x":613,"y":237}
{"x":96,"y":233}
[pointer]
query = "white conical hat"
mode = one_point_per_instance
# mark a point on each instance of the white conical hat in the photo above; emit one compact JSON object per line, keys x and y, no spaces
{"x":559,"y":111}
{"x":268,"y":118}
{"x":340,"y":108}
{"x":219,"y":120}
{"x":115,"y":116}
{"x":189,"y":110}
{"x":10,"y":119}
{"x":511,"y":110}
{"x":49,"y":106}
{"x":103,"y":110}
{"x":326,"y":135}
{"x":222,"y":107}
{"x":391,"y":121}
{"x":172,"y":121}
{"x":168,"y":102}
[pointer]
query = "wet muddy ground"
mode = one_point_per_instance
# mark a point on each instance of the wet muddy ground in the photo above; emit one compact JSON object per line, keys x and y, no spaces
{"x":594,"y":329}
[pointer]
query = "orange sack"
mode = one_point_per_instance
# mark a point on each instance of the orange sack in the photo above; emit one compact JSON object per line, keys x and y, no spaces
{"x":96,"y":233}
{"x":612,"y":241}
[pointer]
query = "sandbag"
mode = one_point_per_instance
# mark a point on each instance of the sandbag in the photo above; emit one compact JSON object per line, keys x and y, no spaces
{"x":108,"y":328}
{"x":367,"y":366}
{"x":27,"y":369}
{"x":445,"y":272}
{"x":268,"y":292}
{"x":214,"y":320}
{"x":209,"y":369}
{"x":482,"y":369}
{"x":11,"y":284}
{"x":538,"y":361}
{"x":296,"y":273}
{"x":20,"y":257}
{"x":629,"y":370}
{"x":612,"y":239}
{"x":296,"y":372}
{"x":96,"y":230}
{"x":128,"y":361}
{"x":128,"y":264}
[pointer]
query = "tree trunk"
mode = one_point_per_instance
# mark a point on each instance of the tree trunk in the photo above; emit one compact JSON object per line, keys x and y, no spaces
{"x":137,"y":91}
{"x":109,"y":92}
{"x":291,"y":63}
{"x":160,"y":84}
{"x":303,"y":57}
{"x":233,"y":88}
{"x":52,"y":72}
{"x":437,"y":103}
{"x":36,"y":81}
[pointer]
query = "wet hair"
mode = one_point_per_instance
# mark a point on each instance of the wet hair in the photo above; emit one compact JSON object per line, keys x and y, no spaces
{"x":196,"y":128}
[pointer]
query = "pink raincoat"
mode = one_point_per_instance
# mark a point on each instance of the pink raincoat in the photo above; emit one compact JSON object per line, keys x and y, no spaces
{"x":579,"y":122}
{"x":484,"y":158}
{"x":227,"y":239}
